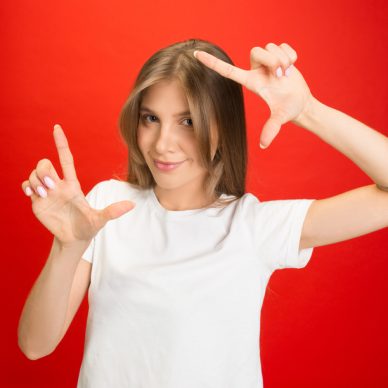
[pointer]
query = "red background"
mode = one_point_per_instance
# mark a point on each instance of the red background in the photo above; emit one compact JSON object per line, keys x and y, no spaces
{"x":73,"y":63}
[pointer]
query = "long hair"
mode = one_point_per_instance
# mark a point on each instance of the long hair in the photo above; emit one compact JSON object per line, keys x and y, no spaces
{"x":211,"y":97}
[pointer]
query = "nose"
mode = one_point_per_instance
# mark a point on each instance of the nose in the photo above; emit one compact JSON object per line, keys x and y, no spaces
{"x":165,"y":140}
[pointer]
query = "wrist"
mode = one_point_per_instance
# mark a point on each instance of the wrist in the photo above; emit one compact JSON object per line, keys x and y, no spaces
{"x":73,"y":246}
{"x":309,"y":114}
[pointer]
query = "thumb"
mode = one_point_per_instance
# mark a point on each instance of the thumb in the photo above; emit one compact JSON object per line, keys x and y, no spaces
{"x":116,"y":210}
{"x":270,"y":130}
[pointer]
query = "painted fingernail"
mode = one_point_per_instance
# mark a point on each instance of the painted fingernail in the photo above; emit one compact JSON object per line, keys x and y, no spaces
{"x":28,"y":191}
{"x":279,"y":72}
{"x":288,"y":71}
{"x":49,"y":182}
{"x":42,"y":192}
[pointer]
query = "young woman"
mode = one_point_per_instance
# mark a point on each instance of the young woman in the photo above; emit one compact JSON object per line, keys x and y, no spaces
{"x":176,"y":259}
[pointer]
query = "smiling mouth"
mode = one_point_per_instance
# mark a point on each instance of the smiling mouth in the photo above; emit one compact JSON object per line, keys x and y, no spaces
{"x":167,"y":163}
{"x":167,"y":166}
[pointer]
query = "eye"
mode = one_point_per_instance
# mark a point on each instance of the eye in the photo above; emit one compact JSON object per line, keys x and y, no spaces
{"x":190,"y":122}
{"x":152,"y":118}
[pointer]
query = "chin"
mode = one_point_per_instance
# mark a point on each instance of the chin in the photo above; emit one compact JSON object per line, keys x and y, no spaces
{"x":169,"y":185}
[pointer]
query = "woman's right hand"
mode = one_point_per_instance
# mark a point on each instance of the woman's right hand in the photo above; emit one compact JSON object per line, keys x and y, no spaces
{"x":63,"y":208}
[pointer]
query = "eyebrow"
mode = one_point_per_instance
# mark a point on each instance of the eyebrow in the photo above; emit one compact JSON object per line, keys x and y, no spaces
{"x":148,"y":110}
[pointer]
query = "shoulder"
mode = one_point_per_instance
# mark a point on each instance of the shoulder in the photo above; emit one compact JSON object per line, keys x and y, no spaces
{"x":246,"y":202}
{"x":113,"y":190}
{"x":253,"y":207}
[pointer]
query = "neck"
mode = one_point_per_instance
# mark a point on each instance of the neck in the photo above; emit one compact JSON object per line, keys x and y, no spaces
{"x":183,"y":198}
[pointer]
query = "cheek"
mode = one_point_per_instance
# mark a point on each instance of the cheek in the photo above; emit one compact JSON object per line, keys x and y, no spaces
{"x":142,"y":138}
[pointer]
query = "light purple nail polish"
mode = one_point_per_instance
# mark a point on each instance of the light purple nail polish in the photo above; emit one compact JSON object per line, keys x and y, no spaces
{"x":288,"y":71}
{"x":28,"y":191}
{"x":49,"y":182}
{"x":42,"y":192}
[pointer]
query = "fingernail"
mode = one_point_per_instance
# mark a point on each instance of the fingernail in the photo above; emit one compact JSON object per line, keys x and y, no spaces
{"x":49,"y":182}
{"x":57,"y":126}
{"x":28,"y":191}
{"x":288,"y":71}
{"x":262,"y":147}
{"x":42,"y":192}
{"x":195,"y":53}
{"x":279,"y":72}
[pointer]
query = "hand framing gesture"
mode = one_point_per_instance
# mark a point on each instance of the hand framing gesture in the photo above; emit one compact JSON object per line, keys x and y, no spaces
{"x":274,"y":78}
{"x":60,"y":204}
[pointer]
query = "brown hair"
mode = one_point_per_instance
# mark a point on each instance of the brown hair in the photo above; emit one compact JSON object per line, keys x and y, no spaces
{"x":211,"y":98}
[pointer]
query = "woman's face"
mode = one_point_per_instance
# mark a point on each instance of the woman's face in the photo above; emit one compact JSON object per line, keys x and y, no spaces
{"x":165,"y":134}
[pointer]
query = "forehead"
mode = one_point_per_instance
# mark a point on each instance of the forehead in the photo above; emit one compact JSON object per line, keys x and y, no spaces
{"x":167,"y":91}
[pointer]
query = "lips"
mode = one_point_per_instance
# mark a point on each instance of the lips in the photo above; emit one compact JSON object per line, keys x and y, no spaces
{"x":167,"y":166}
{"x":162,"y":162}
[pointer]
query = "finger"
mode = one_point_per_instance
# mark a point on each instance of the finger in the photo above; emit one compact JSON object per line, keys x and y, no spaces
{"x":115,"y":210}
{"x":47,"y":173}
{"x":37,"y":185}
{"x":270,"y":130}
{"x":261,"y":57}
{"x":26,"y":187}
{"x":225,"y":69}
{"x":65,"y":156}
{"x":283,"y":60}
{"x":290,"y":52}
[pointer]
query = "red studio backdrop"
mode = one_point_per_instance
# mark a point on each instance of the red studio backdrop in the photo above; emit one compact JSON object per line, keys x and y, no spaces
{"x":74,"y":62}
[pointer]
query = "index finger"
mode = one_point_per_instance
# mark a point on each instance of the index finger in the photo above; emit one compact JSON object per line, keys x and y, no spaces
{"x":65,"y":156}
{"x":225,"y":69}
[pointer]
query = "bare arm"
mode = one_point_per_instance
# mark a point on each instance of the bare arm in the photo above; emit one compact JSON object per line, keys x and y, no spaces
{"x":341,"y":217}
{"x":43,"y":316}
{"x":60,"y":205}
{"x":365,"y":146}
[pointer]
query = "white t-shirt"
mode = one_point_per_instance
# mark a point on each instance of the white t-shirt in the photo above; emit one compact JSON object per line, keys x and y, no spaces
{"x":175,"y":296}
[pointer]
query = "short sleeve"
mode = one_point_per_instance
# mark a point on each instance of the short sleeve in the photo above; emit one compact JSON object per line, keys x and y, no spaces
{"x":91,"y":197}
{"x":279,"y":230}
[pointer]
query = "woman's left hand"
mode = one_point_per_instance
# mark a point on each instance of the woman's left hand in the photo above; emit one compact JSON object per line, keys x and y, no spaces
{"x":274,"y":78}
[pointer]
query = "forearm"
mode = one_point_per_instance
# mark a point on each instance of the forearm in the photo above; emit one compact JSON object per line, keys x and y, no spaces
{"x":44,"y":312}
{"x":366,"y":147}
